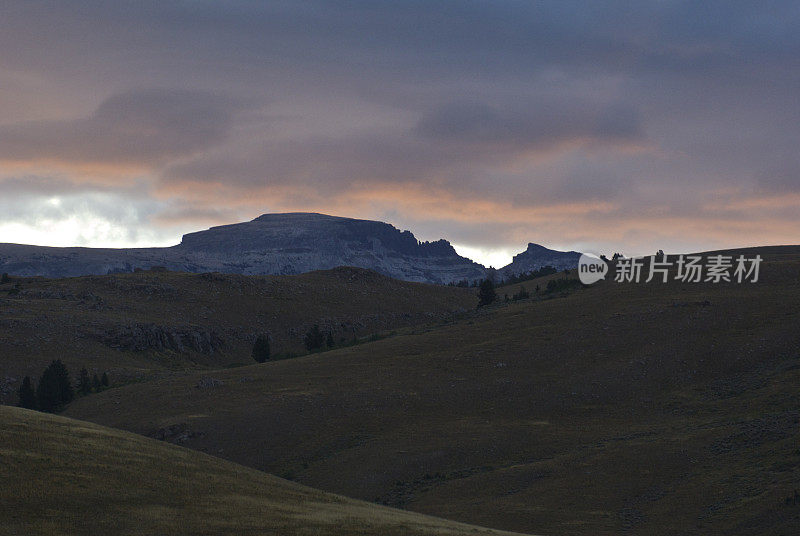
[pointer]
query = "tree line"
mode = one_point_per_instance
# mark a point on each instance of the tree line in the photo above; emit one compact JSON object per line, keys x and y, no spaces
{"x":54,"y":390}
{"x":507,"y":280}
{"x":488,"y":295}
{"x":315,"y":340}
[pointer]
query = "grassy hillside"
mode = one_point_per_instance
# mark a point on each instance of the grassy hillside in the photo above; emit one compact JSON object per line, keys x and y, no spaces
{"x":131,"y":324}
{"x":651,"y":409}
{"x":62,"y":476}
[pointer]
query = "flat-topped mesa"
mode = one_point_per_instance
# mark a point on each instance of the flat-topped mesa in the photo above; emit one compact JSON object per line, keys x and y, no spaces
{"x":306,"y":232}
{"x":299,"y":242}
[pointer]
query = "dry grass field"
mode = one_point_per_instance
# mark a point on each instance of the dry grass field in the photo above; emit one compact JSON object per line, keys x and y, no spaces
{"x":649,"y":409}
{"x":132,"y":325}
{"x":62,"y":476}
{"x":618,"y":408}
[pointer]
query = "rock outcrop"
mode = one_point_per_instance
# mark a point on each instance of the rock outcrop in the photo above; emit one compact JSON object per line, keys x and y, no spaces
{"x":537,"y":257}
{"x":140,"y":337}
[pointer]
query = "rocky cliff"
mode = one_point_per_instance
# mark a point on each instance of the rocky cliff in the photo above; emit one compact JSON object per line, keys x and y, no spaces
{"x":537,"y":257}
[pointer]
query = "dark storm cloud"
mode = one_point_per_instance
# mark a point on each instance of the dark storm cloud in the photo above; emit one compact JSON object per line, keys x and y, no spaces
{"x":138,"y":127}
{"x":364,"y":42}
{"x":443,"y":148}
{"x":541,"y":123}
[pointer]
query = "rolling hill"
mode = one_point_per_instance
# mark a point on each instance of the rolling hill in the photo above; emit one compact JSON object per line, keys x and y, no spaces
{"x":62,"y":476}
{"x":649,"y":409}
{"x":132,"y":325}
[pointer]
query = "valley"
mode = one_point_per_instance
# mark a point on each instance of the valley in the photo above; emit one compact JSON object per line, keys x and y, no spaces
{"x":608,"y":409}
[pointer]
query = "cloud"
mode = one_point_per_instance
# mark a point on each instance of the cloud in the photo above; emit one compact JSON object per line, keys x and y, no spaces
{"x":477,"y":148}
{"x":539,"y":124}
{"x":143,"y":128}
{"x":501,"y":119}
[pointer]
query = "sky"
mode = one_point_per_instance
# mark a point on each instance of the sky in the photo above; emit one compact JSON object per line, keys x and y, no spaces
{"x":594,"y":126}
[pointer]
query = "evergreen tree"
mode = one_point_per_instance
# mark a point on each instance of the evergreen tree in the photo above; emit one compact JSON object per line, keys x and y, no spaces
{"x":84,"y":385}
{"x":522,"y":294}
{"x":96,"y":383}
{"x":27,"y":396}
{"x":329,"y":341}
{"x":314,"y":339}
{"x":54,"y":388}
{"x":261,"y":349}
{"x":104,"y":380}
{"x":486,"y":294}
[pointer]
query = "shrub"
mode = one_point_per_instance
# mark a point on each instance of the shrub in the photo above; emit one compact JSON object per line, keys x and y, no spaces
{"x":526,"y":276}
{"x":261,"y":349}
{"x":562,"y":284}
{"x":314,"y":338}
{"x":522,"y":294}
{"x":84,"y":384}
{"x":27,"y":396}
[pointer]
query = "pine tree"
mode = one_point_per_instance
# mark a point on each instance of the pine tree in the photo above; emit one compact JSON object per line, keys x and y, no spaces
{"x":329,"y":341}
{"x":95,"y":383}
{"x":314,"y":339}
{"x":261,"y":349}
{"x":54,"y":390}
{"x":486,"y":294}
{"x":27,"y":396}
{"x":104,"y":380}
{"x":84,"y":385}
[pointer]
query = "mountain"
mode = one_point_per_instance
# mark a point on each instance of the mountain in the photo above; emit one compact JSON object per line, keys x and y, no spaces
{"x":300,"y":242}
{"x":536,"y":257}
{"x":284,"y":244}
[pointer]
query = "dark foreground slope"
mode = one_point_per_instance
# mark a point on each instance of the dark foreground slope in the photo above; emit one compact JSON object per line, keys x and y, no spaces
{"x":62,"y":476}
{"x":132,"y":324}
{"x":650,"y":409}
